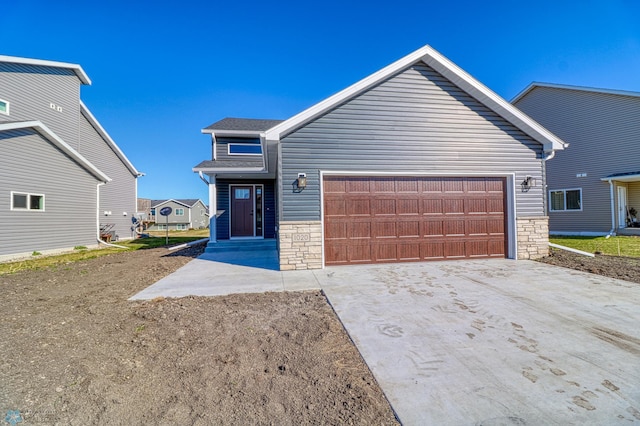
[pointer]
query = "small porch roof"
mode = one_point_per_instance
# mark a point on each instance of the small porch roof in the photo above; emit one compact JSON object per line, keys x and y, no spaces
{"x":623,"y":177}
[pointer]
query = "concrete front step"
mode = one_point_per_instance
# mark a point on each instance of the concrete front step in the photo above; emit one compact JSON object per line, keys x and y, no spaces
{"x":240,"y":245}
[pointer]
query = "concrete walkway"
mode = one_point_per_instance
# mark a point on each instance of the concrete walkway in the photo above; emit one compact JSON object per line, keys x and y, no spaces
{"x":487,"y":342}
{"x":218,"y":274}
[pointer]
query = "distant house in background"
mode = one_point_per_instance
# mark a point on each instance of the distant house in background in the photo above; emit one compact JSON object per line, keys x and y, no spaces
{"x":594,"y":185}
{"x":185,"y":214}
{"x":62,"y":178}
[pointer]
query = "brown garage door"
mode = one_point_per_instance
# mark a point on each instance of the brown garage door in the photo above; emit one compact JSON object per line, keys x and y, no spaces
{"x":400,"y":219}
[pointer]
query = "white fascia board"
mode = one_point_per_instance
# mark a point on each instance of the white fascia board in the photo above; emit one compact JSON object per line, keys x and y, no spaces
{"x":171,"y":200}
{"x":233,"y":133}
{"x":444,"y":66}
{"x":622,"y":178}
{"x":229,"y":170}
{"x":77,"y":69}
{"x":535,"y":84}
{"x":103,"y":133}
{"x":45,"y":132}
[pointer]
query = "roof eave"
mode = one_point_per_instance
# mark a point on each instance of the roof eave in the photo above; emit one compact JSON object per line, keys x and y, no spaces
{"x":232,"y":133}
{"x":444,"y":66}
{"x":45,"y":132}
{"x":76,"y":68}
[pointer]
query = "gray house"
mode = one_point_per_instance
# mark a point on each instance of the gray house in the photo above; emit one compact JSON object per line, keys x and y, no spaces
{"x":594,"y":186}
{"x":63,"y":180}
{"x":418,"y":161}
{"x":185,"y":214}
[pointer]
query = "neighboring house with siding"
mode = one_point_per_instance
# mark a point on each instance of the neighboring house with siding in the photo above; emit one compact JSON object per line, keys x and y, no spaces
{"x":594,"y":185}
{"x":418,"y":161}
{"x":185,"y":214}
{"x":62,"y":177}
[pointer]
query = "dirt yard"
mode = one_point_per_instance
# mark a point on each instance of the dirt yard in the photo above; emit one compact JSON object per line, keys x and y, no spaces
{"x":74,"y":351}
{"x":622,"y":268}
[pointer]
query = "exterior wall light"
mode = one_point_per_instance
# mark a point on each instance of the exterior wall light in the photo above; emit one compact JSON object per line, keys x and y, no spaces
{"x":527,"y":183}
{"x":301,"y":183}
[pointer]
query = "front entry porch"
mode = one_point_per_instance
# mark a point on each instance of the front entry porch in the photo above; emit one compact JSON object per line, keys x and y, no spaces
{"x":625,"y":202}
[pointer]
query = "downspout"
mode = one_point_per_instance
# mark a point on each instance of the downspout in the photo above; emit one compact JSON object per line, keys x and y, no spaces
{"x":613,"y":210}
{"x":98,"y":219}
{"x":546,"y":157}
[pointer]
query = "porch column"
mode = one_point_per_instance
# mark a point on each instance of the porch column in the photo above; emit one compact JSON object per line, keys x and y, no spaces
{"x":213,"y":208}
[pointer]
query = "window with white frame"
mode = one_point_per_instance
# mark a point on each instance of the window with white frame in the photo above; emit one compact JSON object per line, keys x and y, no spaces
{"x":179,"y":212}
{"x":181,"y":227}
{"x":4,"y":107}
{"x":27,"y":201}
{"x":162,"y":227}
{"x":561,"y":200}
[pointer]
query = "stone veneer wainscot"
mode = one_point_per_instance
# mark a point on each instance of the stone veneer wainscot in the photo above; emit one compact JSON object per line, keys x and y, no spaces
{"x":300,"y":245}
{"x":533,"y":237}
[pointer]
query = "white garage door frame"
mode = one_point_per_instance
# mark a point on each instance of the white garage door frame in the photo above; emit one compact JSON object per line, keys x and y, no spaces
{"x":512,"y":238}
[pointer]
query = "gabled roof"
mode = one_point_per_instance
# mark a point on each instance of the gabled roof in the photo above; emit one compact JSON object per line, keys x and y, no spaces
{"x":536,"y":84}
{"x":448,"y":69}
{"x":187,"y":202}
{"x":77,"y":69}
{"x":46,"y":133}
{"x":103,"y":133}
{"x":240,"y":126}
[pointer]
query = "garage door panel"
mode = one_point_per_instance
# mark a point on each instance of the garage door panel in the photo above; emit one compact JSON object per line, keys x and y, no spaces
{"x":360,"y":230}
{"x":385,"y":229}
{"x":335,"y":207}
{"x":453,"y":206}
{"x":384,"y":207}
{"x":395,"y":219}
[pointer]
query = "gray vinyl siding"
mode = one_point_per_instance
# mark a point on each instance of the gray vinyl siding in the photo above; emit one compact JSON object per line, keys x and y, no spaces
{"x":603,"y":135}
{"x":414,"y":122}
{"x":117,"y":196}
{"x":31,"y":89}
{"x":31,"y":164}
{"x":222,"y":145}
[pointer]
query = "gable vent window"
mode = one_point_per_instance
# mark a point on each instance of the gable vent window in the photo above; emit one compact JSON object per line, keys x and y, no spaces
{"x":25,"y":201}
{"x":4,"y":107}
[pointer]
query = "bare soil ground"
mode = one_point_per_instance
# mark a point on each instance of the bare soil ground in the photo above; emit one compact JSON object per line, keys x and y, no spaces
{"x":622,"y":268}
{"x":74,"y":351}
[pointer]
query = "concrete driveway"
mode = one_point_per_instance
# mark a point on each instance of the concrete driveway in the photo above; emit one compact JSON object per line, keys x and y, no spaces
{"x":486,"y":342}
{"x":495,"y":342}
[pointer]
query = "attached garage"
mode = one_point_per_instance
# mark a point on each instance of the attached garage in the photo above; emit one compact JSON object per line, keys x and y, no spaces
{"x":381,"y":219}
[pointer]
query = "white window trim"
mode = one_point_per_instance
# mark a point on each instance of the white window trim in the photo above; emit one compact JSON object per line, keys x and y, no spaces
{"x":243,"y":144}
{"x":28,"y":194}
{"x":182,"y":227}
{"x":181,"y":210}
{"x":564,"y":191}
{"x":7,"y":112}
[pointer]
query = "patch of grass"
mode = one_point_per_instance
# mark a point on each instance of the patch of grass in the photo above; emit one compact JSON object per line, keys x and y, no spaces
{"x":80,"y":248}
{"x":41,"y":262}
{"x":36,"y":253}
{"x":613,"y":246}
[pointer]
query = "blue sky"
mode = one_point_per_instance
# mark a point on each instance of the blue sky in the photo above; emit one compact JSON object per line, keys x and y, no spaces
{"x":162,"y":71}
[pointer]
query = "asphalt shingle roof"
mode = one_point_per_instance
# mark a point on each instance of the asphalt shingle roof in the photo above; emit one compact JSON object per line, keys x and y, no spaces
{"x":244,"y":124}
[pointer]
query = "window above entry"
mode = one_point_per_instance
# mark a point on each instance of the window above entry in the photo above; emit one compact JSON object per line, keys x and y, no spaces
{"x":244,"y":149}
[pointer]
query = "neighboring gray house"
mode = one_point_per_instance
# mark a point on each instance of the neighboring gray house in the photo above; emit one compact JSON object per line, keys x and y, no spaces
{"x":593,"y":186}
{"x":418,"y":161}
{"x":62,"y":178}
{"x":185,"y":214}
